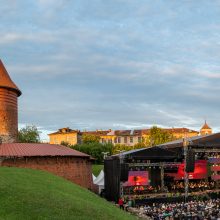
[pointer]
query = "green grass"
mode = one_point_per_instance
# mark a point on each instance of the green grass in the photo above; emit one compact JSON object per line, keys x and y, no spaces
{"x":96,"y":168}
{"x":31,"y":194}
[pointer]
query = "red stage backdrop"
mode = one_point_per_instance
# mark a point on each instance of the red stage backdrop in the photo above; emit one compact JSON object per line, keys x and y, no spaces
{"x":137,"y":178}
{"x":200,"y":171}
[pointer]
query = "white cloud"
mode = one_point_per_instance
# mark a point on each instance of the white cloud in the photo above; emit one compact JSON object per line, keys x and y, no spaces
{"x":16,"y":37}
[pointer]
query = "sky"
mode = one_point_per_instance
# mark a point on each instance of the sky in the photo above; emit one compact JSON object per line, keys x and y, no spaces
{"x":119,"y":64}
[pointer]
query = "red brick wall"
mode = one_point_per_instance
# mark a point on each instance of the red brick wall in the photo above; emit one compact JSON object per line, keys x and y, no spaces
{"x":8,"y":116}
{"x":77,"y":170}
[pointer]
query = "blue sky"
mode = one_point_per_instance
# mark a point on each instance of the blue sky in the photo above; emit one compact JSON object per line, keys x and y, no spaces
{"x":113,"y":64}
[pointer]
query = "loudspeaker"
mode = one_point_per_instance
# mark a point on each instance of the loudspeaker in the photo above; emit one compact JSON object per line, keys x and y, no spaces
{"x":155,"y":177}
{"x":190,"y":161}
{"x":124,"y":172}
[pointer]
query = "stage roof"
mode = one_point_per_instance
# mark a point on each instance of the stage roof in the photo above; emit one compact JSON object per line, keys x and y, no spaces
{"x":208,"y":141}
{"x":150,"y":153}
{"x":172,"y":150}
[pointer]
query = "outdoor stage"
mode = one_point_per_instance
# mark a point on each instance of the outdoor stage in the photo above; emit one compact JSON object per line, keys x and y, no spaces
{"x":157,"y":168}
{"x":171,"y":197}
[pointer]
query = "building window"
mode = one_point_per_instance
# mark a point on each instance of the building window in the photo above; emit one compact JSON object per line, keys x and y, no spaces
{"x":131,"y":139}
{"x":115,"y":140}
{"x":110,"y":141}
{"x":139,"y":139}
{"x":125,"y":140}
{"x":119,"y":139}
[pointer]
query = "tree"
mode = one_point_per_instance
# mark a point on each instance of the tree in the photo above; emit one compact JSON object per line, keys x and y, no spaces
{"x":140,"y":145}
{"x":90,"y":138}
{"x":159,"y":136}
{"x":117,"y":148}
{"x":65,"y":143}
{"x":94,"y":149}
{"x":29,"y":134}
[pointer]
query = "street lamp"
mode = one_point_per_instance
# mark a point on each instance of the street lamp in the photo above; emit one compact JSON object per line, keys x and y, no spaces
{"x":186,"y":176}
{"x":105,"y":154}
{"x":120,"y":155}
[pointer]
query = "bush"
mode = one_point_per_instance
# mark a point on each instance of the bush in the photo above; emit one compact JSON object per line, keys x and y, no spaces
{"x":94,"y":149}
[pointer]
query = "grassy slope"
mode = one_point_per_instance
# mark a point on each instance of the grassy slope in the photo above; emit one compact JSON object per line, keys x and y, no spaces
{"x":32,"y":194}
{"x":96,"y":168}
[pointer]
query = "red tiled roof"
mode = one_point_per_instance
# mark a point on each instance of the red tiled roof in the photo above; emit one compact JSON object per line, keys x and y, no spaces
{"x":147,"y":131}
{"x":5,"y":80}
{"x":33,"y":149}
{"x":69,"y":131}
{"x":98,"y":133}
{"x":179,"y":130}
{"x":123,"y":132}
{"x":132,"y":132}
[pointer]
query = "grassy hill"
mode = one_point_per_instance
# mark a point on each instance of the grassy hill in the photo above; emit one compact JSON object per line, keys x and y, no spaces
{"x":32,"y":194}
{"x":96,"y":169}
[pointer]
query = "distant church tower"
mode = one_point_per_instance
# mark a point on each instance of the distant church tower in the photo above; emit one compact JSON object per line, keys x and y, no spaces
{"x":9,"y":94}
{"x":205,"y":130}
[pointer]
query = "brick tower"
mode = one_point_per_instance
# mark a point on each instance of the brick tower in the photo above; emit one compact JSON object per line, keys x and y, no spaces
{"x":9,"y":94}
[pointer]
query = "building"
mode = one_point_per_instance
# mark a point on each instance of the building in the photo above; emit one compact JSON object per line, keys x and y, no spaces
{"x":9,"y":94}
{"x":102,"y":134}
{"x":132,"y":137}
{"x":66,"y":135}
{"x":205,"y":130}
{"x":123,"y":137}
{"x":57,"y":159}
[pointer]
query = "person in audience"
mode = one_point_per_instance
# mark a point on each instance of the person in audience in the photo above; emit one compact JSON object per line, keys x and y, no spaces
{"x":194,"y":210}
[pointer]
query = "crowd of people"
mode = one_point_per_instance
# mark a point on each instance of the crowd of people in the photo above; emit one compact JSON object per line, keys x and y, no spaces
{"x":174,"y":187}
{"x":211,"y":155}
{"x":194,"y":210}
{"x":141,"y":190}
{"x":194,"y":186}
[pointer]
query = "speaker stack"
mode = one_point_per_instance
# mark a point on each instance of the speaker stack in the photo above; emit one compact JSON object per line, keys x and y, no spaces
{"x":112,"y":178}
{"x":115,"y":172}
{"x":124,"y":172}
{"x":190,"y":161}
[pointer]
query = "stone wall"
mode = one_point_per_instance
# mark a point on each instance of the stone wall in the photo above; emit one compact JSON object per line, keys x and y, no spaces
{"x":8,"y":116}
{"x":77,"y":170}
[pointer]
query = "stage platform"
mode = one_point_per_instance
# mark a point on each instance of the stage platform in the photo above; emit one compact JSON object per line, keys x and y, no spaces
{"x":172,"y":197}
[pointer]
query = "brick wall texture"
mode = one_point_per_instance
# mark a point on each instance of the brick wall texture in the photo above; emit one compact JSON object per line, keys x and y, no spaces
{"x":8,"y":116}
{"x":77,"y":170}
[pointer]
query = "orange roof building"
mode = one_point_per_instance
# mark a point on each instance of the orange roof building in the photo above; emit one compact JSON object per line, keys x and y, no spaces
{"x":59,"y":160}
{"x":6,"y":82}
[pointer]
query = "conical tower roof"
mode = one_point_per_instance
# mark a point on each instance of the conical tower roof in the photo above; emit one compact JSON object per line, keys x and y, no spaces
{"x":205,"y":126}
{"x":5,"y":80}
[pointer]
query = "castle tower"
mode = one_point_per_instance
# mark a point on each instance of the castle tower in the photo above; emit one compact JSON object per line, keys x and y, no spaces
{"x":9,"y":93}
{"x":205,"y":130}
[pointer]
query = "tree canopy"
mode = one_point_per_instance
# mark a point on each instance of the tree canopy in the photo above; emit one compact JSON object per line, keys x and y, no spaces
{"x":29,"y":134}
{"x":96,"y":150}
{"x":159,"y":136}
{"x":90,"y":138}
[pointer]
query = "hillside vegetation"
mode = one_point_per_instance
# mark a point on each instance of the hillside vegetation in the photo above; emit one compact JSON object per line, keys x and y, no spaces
{"x":32,"y":194}
{"x":96,"y":169}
